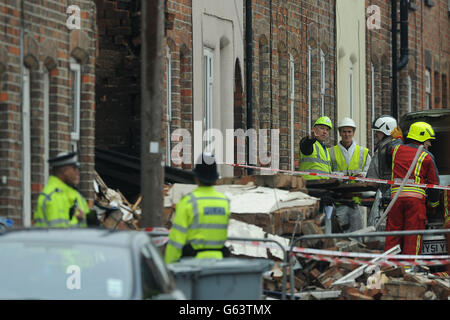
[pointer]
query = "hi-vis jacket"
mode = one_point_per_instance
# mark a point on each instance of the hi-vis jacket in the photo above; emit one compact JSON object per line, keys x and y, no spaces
{"x":54,"y":205}
{"x":356,"y":164}
{"x":425,"y":171}
{"x":318,"y":161}
{"x":201,"y":220}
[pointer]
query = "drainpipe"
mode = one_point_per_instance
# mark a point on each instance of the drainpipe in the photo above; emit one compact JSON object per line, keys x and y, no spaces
{"x":270,"y":67}
{"x":403,"y":35}
{"x":249,"y":72}
{"x":22,"y":66}
{"x":394,"y":93}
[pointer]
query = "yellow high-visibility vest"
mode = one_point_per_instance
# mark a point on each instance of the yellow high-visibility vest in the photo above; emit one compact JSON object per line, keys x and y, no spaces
{"x":201,"y":220}
{"x":318,"y":161}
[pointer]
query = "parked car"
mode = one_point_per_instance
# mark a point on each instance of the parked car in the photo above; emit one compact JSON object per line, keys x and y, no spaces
{"x":439,"y":119}
{"x":82,"y":264}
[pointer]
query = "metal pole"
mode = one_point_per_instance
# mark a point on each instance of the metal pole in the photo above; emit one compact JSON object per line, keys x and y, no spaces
{"x":152,"y":90}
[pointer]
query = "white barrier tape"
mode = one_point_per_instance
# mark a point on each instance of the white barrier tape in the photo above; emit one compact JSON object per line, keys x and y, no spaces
{"x":379,"y":262}
{"x":336,"y":176}
{"x":323,"y":255}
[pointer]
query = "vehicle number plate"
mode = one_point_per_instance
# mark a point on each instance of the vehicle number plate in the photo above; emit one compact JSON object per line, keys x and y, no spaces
{"x":434,"y":247}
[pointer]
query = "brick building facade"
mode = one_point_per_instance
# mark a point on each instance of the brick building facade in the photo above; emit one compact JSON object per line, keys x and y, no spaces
{"x":300,"y":36}
{"x":429,"y":59}
{"x":293,"y":76}
{"x":47,"y":106}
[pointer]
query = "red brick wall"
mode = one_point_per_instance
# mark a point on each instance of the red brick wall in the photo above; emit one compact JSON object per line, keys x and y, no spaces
{"x":429,"y":47}
{"x":49,"y":45}
{"x":295,"y":26}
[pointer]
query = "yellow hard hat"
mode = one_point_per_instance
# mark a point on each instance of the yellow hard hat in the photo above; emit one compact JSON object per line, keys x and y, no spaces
{"x":325,"y":121}
{"x":421,"y":131}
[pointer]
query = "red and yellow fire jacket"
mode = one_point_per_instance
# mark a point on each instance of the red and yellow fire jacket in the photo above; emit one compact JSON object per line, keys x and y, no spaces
{"x":425,"y":171}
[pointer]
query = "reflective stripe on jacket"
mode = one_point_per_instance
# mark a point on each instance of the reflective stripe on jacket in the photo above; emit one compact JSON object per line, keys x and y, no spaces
{"x":425,"y":171}
{"x":318,"y":161}
{"x":201,"y":219}
{"x":446,"y":204}
{"x":357,"y":162}
{"x":54,"y":203}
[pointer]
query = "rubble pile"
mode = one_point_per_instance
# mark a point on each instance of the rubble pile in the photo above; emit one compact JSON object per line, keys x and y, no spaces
{"x":113,"y":209}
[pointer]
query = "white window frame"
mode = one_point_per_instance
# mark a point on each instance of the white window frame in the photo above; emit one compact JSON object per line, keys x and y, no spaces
{"x":208,"y":65}
{"x":46,"y":123}
{"x":409,"y":93}
{"x":75,"y":68}
{"x":26,"y":148}
{"x":427,"y":89}
{"x":309,"y":88}
{"x":322,"y":83}
{"x":351,"y":89}
{"x":169,"y":106}
{"x":292,"y":98}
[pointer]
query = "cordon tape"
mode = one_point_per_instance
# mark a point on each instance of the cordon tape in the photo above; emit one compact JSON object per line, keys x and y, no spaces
{"x":337,"y":176}
{"x":341,"y":256}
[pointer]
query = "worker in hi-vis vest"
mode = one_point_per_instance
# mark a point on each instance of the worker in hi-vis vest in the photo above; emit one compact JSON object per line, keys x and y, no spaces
{"x":60,"y":205}
{"x":314,"y":157}
{"x":409,"y":211}
{"x":200,"y":224}
{"x":349,"y":159}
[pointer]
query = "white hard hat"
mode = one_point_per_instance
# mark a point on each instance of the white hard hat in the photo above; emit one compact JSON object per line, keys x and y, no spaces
{"x":384,"y":124}
{"x":347,"y":122}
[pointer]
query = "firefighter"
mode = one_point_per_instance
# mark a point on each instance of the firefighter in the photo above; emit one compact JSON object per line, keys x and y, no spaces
{"x":314,"y":156}
{"x":349,"y":159}
{"x":201,"y":218}
{"x":60,"y":205}
{"x":409,"y":211}
{"x":381,"y":164}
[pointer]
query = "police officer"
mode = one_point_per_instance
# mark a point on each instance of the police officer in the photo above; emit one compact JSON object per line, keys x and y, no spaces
{"x":201,"y":218}
{"x":60,"y":205}
{"x":349,"y":159}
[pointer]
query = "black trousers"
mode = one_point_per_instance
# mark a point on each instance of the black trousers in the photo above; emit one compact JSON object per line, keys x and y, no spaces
{"x":189,"y":251}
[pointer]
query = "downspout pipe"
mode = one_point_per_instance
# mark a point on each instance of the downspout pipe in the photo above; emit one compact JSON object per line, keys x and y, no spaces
{"x":249,"y":72}
{"x":22,"y":70}
{"x":403,"y":35}
{"x":394,"y":93}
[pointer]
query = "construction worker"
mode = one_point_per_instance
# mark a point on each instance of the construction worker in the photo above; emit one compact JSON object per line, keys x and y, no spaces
{"x":349,"y":159}
{"x":201,"y":218}
{"x":409,"y":210}
{"x":60,"y":205}
{"x":380,"y":166}
{"x":314,"y":156}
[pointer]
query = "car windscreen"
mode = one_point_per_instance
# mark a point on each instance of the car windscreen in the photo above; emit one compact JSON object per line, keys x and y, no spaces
{"x":64,"y":271}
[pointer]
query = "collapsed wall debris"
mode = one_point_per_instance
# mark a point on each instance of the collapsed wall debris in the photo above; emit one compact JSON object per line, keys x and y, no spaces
{"x":279,"y":207}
